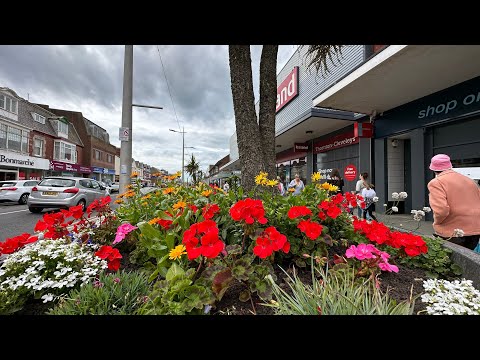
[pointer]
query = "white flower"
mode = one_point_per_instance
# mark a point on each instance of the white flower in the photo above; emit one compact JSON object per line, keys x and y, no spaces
{"x":394,"y":209}
{"x":48,"y":297}
{"x":375,"y":199}
{"x":414,"y":212}
{"x":395,"y":196}
{"x":403,"y":195}
{"x":385,"y":205}
{"x":427,"y":209}
{"x":458,"y":233}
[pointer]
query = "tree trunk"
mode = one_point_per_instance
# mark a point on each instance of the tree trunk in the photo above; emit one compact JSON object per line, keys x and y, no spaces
{"x":268,"y":99}
{"x":248,"y":137}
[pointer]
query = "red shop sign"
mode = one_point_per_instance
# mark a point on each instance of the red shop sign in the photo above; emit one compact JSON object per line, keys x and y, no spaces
{"x":335,"y":142}
{"x":350,"y":172}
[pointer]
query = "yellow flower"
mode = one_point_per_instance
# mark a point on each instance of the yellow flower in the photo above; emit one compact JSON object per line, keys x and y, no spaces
{"x":177,"y":252}
{"x":332,"y":188}
{"x":168,"y":190}
{"x":144,"y":203}
{"x":119,"y":196}
{"x":134,"y":174}
{"x":129,"y":186}
{"x":326,"y":185}
{"x":261,"y":178}
{"x":315,"y":176}
{"x":291,"y":190}
{"x":207,"y":193}
{"x":272,"y":182}
{"x":154,"y":221}
{"x":179,"y":204}
{"x":130,"y":194}
{"x":119,"y":201}
{"x":148,"y":196}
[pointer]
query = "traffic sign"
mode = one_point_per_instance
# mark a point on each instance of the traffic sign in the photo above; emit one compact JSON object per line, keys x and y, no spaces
{"x":124,"y":134}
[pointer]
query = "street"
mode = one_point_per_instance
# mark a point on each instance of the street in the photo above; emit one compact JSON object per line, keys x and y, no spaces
{"x":16,"y":219}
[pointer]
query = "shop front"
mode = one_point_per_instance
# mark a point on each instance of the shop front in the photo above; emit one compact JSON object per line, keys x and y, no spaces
{"x":291,"y":162}
{"x":59,"y":168}
{"x":20,"y":167}
{"x":102,"y":174}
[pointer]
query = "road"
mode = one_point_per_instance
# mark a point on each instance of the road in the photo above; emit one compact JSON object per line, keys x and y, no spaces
{"x":16,"y":219}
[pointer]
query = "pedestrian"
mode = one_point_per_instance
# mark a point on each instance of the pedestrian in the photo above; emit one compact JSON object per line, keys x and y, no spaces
{"x":336,"y":180}
{"x":361,"y":184}
{"x":455,"y":201}
{"x":368,"y":194}
{"x":281,"y":188}
{"x":226,"y":187}
{"x":297,"y":184}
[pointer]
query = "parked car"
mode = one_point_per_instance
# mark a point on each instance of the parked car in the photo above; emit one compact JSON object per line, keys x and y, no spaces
{"x":114,"y":187}
{"x":16,"y":190}
{"x":63,"y":192}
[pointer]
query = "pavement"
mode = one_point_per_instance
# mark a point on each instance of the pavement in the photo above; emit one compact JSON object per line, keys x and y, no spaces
{"x":405,"y":222}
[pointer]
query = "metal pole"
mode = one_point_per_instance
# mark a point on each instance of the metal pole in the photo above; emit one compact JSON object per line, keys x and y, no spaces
{"x":183,"y":152}
{"x":126,"y":145}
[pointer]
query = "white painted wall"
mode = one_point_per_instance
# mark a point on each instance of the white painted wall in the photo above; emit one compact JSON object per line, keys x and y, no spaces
{"x":395,"y":165}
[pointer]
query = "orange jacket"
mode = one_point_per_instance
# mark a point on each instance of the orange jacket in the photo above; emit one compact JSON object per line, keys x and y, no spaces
{"x":455,"y":202}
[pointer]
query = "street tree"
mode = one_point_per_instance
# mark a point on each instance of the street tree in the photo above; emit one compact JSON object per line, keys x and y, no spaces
{"x":192,"y":169}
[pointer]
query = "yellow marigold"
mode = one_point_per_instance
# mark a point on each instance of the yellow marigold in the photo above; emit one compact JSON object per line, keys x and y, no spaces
{"x":326,"y":185}
{"x":119,"y":196}
{"x":129,"y":186}
{"x":144,"y":203}
{"x":148,"y":196}
{"x":272,"y":182}
{"x":130,"y":194}
{"x":333,"y":188}
{"x":119,"y":201}
{"x":261,"y":178}
{"x":134,"y":174}
{"x":180,"y":204}
{"x":207,"y":193}
{"x":315,"y":176}
{"x":168,"y":190}
{"x":291,"y":190}
{"x":177,"y":252}
{"x":154,"y":221}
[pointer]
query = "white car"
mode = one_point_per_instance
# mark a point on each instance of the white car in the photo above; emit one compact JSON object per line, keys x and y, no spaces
{"x":114,"y":187}
{"x":16,"y":190}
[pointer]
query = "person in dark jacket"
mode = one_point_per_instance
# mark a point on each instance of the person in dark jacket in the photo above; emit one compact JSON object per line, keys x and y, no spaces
{"x":336,"y":180}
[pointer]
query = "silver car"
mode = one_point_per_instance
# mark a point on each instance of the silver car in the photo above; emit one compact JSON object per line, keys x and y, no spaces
{"x":16,"y":190}
{"x":63,"y":192}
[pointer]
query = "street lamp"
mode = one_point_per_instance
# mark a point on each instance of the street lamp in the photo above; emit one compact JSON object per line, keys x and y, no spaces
{"x":183,"y":149}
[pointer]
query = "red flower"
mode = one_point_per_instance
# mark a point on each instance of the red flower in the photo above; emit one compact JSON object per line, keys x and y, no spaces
{"x":286,"y":247}
{"x":296,"y":211}
{"x":248,"y":210}
{"x":110,"y":254}
{"x":210,"y":210}
{"x":311,"y":229}
{"x":334,"y":211}
{"x":269,"y":241}
{"x":210,"y":243}
{"x":76,"y":211}
{"x":263,"y":248}
{"x":9,"y":246}
{"x":322,"y":215}
{"x":114,"y":265}
{"x":165,"y":223}
{"x":193,"y":208}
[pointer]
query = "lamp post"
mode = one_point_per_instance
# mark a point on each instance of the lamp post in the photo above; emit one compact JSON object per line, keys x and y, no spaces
{"x":183,"y":149}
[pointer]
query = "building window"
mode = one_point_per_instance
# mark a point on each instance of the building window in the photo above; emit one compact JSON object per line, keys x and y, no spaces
{"x":62,"y":129}
{"x":65,"y":152}
{"x":13,"y":138}
{"x":38,"y":147}
{"x":9,"y":104}
{"x":110,"y":158}
{"x":38,"y":118}
{"x":97,"y":155}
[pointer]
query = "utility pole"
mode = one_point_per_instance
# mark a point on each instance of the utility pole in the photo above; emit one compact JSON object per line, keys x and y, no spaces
{"x":126,"y":130}
{"x":183,"y":149}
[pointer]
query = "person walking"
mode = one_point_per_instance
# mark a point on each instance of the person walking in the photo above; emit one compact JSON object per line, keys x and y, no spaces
{"x":455,"y":201}
{"x":281,"y":188}
{"x":226,"y":187}
{"x":336,"y":180}
{"x":368,"y":194}
{"x":361,"y":184}
{"x":297,"y":184}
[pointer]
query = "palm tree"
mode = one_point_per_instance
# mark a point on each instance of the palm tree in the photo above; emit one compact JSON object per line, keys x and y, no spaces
{"x":192,"y":169}
{"x":256,"y":137}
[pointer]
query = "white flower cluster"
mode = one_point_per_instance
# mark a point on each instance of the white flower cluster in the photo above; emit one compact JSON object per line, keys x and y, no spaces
{"x":418,"y":214}
{"x":399,"y":196}
{"x":451,"y":298}
{"x":458,"y":233}
{"x":427,"y":209}
{"x":394,"y":209}
{"x":48,"y":265}
{"x":375,"y":199}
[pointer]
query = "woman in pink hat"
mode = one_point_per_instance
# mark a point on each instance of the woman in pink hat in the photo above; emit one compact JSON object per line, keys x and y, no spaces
{"x":455,"y":201}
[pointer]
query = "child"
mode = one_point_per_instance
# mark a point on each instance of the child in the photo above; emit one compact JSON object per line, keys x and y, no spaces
{"x":368,"y":194}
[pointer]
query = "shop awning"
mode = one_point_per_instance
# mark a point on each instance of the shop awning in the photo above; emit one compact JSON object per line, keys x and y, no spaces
{"x":400,"y":74}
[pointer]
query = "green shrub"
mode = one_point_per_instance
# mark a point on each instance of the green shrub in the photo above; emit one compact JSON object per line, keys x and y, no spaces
{"x":120,"y":293}
{"x":10,"y":301}
{"x":338,"y":293}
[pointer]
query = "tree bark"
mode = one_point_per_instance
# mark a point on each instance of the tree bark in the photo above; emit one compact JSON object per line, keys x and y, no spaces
{"x":248,"y":136}
{"x":268,"y":99}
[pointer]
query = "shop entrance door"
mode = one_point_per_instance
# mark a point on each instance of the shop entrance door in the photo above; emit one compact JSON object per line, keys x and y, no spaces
{"x":8,"y":175}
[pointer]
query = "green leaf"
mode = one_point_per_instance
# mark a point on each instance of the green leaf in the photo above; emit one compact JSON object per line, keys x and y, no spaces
{"x":457,"y":270}
{"x":174,"y":270}
{"x":224,"y":234}
{"x":148,"y":231}
{"x":170,"y":241}
{"x":221,"y":282}
{"x":233,"y":249}
{"x":244,"y":296}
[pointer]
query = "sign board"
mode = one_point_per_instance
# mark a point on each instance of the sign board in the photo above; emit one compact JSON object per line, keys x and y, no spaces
{"x":363,"y":130}
{"x":124,"y":134}
{"x":287,"y":90}
{"x":350,"y":172}
{"x":335,"y":142}
{"x":471,"y":172}
{"x":123,"y":169}
{"x":61,"y":166}
{"x":301,"y":147}
{"x":12,"y":159}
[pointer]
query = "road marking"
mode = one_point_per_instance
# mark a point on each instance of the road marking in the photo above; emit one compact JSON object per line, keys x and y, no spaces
{"x":11,"y":212}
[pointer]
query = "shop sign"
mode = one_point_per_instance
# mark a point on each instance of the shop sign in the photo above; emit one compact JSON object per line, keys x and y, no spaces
{"x":101,"y":170}
{"x":21,"y":161}
{"x":335,"y":142}
{"x":301,"y":147}
{"x":325,"y":174}
{"x":350,"y":172}
{"x":287,"y":90}
{"x":61,"y":166}
{"x":363,"y":130}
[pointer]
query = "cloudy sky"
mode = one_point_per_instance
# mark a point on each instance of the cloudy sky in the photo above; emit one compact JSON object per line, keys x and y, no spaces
{"x":90,"y":79}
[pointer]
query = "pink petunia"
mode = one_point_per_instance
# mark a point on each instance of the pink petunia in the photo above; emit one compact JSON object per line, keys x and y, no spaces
{"x":122,"y":231}
{"x":388,"y":267}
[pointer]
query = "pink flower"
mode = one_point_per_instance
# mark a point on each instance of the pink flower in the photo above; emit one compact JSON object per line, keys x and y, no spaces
{"x":350,"y":251}
{"x":122,"y":231}
{"x":385,"y":266}
{"x":364,"y":251}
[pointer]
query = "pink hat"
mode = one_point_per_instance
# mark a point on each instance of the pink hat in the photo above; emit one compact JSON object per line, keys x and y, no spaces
{"x":440,"y":162}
